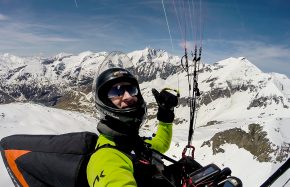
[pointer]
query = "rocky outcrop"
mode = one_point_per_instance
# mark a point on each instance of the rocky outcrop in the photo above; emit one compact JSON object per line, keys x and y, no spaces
{"x":255,"y":141}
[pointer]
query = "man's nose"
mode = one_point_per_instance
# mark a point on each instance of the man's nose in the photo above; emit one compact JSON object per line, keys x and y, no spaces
{"x":126,"y":95}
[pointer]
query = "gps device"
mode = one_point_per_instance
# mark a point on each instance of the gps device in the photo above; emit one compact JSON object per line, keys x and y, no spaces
{"x":204,"y":173}
{"x":231,"y":182}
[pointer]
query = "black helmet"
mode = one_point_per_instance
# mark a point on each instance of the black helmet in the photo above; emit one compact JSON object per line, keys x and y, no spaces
{"x":126,"y":120}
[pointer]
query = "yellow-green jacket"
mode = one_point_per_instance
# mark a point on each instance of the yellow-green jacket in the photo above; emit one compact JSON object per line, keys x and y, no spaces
{"x":110,"y":167}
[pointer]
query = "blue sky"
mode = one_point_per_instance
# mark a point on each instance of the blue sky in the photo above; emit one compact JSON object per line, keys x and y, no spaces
{"x":258,"y":30}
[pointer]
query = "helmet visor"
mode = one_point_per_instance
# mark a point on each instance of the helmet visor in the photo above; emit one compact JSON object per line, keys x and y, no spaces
{"x":119,"y":90}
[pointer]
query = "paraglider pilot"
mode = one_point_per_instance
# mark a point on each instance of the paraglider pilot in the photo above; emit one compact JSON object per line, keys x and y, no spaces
{"x":123,"y":158}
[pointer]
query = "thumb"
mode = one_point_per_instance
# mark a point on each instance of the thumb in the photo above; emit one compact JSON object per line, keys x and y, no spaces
{"x":155,"y":94}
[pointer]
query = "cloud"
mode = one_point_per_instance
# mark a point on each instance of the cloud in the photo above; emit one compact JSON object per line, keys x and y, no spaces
{"x":22,"y":38}
{"x":3,"y":17}
{"x":268,"y":57}
{"x":23,"y":32}
{"x":261,"y":51}
{"x":96,"y":33}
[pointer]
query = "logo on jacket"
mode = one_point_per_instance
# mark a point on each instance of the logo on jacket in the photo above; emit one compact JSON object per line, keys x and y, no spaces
{"x":98,"y":177}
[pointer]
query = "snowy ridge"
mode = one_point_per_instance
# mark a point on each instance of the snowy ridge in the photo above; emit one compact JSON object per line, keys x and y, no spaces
{"x":282,"y":83}
{"x":45,"y":80}
{"x":243,"y":115}
{"x":151,"y":63}
{"x":152,"y":55}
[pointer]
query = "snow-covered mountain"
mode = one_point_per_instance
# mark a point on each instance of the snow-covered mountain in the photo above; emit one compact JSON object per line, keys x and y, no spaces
{"x":243,"y":117}
{"x":65,"y":80}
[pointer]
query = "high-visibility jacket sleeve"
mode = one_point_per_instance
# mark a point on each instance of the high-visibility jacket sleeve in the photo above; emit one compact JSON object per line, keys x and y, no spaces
{"x":110,"y":167}
{"x":161,"y":141}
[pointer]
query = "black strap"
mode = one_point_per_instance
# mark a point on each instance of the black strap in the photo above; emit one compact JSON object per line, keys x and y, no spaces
{"x":105,"y":146}
{"x":165,"y":157}
{"x":277,"y":174}
{"x":114,"y":147}
{"x":142,"y":170}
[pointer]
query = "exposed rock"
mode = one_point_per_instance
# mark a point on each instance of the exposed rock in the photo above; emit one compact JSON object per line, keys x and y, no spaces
{"x":183,"y":101}
{"x":47,"y":61}
{"x":255,"y":141}
{"x":210,"y":123}
{"x":178,"y":121}
{"x":265,"y":101}
{"x":5,"y":98}
{"x":241,"y":87}
{"x":13,"y":71}
{"x":214,"y":94}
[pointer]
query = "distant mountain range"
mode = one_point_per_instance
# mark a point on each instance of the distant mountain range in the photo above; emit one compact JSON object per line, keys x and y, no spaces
{"x":64,"y":80}
{"x":245,"y":106}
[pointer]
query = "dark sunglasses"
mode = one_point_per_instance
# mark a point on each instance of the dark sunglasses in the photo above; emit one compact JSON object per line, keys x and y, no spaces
{"x":119,"y":90}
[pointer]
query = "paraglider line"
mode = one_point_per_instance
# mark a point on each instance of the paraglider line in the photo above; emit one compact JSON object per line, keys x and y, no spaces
{"x":167,"y":24}
{"x":76,"y":4}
